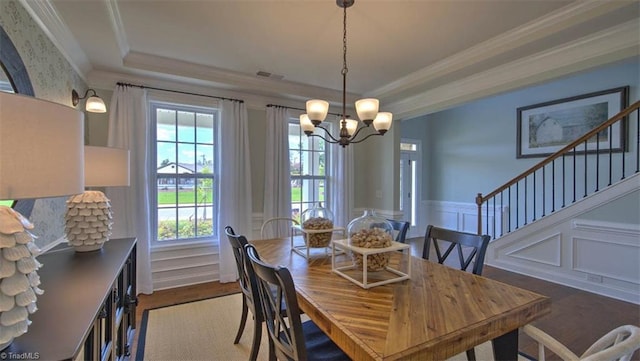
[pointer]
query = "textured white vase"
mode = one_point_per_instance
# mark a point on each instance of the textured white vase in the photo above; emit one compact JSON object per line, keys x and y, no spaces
{"x":88,"y":221}
{"x":19,"y":280}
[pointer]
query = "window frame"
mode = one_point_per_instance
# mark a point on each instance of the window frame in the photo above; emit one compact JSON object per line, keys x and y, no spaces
{"x":182,"y":104}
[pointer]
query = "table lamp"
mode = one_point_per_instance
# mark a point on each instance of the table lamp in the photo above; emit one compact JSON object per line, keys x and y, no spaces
{"x":88,"y":219}
{"x":41,"y":156}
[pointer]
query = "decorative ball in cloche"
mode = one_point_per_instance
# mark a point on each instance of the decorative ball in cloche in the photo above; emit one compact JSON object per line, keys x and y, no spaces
{"x":371,"y":231}
{"x":315,"y":219}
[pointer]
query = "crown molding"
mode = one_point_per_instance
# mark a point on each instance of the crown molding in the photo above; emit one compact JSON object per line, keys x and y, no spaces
{"x":224,"y":78}
{"x":46,"y":16}
{"x":561,"y":19}
{"x":613,"y":44}
{"x":118,"y":27}
{"x":104,"y":79}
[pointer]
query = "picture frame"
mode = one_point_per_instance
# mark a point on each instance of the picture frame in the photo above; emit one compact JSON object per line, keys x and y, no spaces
{"x":545,"y":128}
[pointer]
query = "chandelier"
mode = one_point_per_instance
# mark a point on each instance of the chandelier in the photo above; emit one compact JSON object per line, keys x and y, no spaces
{"x":367,"y":109}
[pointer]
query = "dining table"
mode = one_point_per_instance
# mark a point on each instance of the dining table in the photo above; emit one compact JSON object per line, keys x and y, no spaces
{"x":437,"y":313}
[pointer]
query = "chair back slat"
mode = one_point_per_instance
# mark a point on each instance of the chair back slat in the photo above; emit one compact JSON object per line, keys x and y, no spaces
{"x":401,"y":227}
{"x":476,"y":246}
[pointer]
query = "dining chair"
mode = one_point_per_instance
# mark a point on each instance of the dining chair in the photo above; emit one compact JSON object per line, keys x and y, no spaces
{"x":401,"y":227}
{"x":618,"y":344}
{"x":278,"y":227}
{"x":471,"y":248}
{"x":288,"y":339}
{"x":250,"y":296}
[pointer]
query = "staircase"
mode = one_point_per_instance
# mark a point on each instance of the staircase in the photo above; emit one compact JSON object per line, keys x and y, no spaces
{"x":551,"y":221}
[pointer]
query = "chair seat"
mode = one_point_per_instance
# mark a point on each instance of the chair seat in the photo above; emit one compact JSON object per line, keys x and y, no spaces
{"x":319,"y":346}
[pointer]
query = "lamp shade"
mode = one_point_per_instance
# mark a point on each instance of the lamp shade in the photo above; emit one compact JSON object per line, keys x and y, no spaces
{"x":305,"y":124}
{"x":317,"y":110}
{"x":41,"y":148}
{"x":383,"y":121}
{"x":95,"y":104}
{"x":352,"y":125}
{"x":367,"y":109}
{"x":106,"y":167}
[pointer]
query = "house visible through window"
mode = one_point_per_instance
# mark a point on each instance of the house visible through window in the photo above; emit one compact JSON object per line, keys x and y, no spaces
{"x":308,"y":162}
{"x":185,"y":199}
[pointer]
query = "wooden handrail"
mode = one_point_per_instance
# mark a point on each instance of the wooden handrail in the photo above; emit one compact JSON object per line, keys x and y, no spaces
{"x":480,"y":199}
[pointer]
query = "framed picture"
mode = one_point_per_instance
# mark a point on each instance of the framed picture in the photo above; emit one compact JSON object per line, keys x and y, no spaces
{"x":545,"y":128}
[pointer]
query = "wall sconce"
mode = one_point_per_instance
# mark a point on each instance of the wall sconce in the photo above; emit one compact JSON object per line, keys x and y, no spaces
{"x":88,"y":219}
{"x":41,"y":155}
{"x":94,"y":104}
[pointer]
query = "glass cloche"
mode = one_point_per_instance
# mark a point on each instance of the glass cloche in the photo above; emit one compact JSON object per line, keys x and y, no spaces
{"x":371,"y":231}
{"x":316,"y":219}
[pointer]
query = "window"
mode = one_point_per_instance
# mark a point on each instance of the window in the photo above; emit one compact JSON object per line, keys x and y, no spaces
{"x":308,"y":164}
{"x":185,"y":177}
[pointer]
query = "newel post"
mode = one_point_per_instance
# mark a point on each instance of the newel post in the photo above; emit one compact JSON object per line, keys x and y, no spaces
{"x":479,"y":203}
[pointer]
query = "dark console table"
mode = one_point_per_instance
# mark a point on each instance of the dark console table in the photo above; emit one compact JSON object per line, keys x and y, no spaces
{"x":88,"y":309}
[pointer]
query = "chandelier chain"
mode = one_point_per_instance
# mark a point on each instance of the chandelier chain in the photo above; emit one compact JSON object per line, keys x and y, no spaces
{"x":345,"y":70}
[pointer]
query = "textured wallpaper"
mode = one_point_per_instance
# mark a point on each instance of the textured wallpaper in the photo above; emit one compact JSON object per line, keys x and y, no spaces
{"x":52,"y":78}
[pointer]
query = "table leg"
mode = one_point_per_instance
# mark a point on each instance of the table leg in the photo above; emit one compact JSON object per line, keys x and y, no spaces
{"x":505,"y":347}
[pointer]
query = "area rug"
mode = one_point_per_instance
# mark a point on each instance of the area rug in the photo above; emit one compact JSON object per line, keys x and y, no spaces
{"x":204,"y":330}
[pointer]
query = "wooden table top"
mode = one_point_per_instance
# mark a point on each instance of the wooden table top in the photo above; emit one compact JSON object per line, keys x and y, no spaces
{"x":438,"y":313}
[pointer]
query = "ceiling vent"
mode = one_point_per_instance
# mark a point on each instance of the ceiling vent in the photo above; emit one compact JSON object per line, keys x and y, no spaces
{"x":266,"y":74}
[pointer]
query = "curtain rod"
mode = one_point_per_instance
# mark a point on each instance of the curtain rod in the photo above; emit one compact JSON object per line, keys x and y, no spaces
{"x":304,"y":110}
{"x":178,"y":91}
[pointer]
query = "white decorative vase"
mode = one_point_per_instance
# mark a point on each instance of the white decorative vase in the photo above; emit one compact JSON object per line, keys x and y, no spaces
{"x":19,"y":280}
{"x":88,"y":221}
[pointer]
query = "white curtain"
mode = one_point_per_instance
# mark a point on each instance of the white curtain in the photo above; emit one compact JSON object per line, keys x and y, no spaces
{"x":234,"y":187}
{"x":128,"y":129}
{"x":341,"y":183}
{"x":277,"y":184}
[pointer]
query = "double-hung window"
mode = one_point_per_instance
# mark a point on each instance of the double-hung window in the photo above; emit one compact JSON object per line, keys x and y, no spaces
{"x":185,"y":172}
{"x":308,"y":164}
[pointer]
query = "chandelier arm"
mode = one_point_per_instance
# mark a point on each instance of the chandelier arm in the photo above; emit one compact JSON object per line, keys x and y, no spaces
{"x":335,"y":140}
{"x":353,"y":136}
{"x":363,"y":139}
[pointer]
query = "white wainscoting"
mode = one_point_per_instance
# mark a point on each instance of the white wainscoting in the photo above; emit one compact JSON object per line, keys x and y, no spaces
{"x":595,"y":256}
{"x":461,"y":217}
{"x":178,"y":266}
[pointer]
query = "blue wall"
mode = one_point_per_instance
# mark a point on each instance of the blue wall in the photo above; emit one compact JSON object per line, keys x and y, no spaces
{"x":471,"y":148}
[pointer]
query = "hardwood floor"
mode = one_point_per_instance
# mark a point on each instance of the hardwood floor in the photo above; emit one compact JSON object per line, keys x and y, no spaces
{"x":578,"y":318}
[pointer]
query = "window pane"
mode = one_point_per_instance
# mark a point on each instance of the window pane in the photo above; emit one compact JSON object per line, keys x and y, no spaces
{"x":319,"y":189}
{"x":166,"y":157}
{"x":186,"y":127}
{"x":186,"y":222}
{"x":204,"y":155}
{"x":186,"y":158}
{"x":167,"y":192}
{"x":294,"y":162}
{"x":204,"y":133}
{"x":166,"y":125}
{"x":167,"y":226}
